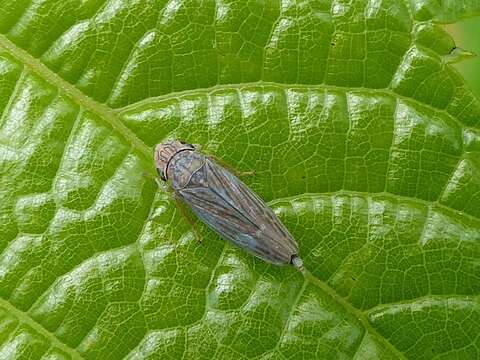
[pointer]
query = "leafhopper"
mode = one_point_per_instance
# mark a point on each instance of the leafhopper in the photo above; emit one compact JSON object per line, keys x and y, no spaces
{"x":225,"y":203}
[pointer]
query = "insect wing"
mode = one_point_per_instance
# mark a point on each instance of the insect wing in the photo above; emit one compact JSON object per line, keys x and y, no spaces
{"x":235,"y":212}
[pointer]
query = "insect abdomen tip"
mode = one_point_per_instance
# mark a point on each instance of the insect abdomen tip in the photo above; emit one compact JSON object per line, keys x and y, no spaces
{"x":297,"y":262}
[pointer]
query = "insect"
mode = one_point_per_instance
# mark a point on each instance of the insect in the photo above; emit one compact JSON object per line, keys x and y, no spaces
{"x":225,"y":203}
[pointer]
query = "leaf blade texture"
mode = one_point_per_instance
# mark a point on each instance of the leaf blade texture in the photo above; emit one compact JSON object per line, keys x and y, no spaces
{"x":364,"y":139}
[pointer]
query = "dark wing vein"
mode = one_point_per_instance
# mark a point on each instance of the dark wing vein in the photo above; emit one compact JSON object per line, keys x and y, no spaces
{"x":238,"y":214}
{"x":235,"y":193}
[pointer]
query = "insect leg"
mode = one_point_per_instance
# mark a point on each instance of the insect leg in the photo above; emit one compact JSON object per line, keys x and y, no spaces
{"x":187,"y":215}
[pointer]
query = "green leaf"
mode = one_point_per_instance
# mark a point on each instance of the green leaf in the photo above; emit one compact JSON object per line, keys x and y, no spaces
{"x":444,"y":11}
{"x":465,"y":35}
{"x":364,"y":140}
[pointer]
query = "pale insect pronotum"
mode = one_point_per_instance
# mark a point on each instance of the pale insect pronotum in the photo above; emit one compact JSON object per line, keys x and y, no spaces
{"x":225,"y":203}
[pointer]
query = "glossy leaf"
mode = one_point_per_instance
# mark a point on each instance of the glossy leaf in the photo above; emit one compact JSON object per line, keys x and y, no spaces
{"x":445,"y":11}
{"x":464,"y":33}
{"x":363,"y":138}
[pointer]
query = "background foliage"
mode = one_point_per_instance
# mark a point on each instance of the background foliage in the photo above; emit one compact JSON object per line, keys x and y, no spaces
{"x":364,"y":139}
{"x":465,"y":33}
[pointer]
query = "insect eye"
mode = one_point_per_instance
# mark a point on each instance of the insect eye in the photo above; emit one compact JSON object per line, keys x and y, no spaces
{"x":161,"y":174}
{"x":185,"y":143}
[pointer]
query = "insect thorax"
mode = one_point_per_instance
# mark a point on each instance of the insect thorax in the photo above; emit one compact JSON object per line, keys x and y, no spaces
{"x":185,"y":170}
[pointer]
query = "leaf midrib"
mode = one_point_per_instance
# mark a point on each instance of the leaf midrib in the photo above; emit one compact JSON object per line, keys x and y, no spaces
{"x":358,"y":314}
{"x":75,"y":94}
{"x":26,"y":319}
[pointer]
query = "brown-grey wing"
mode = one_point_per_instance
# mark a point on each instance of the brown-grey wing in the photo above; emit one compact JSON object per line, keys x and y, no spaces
{"x":234,"y":211}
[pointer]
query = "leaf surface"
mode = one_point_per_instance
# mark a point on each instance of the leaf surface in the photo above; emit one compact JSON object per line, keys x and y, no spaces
{"x":363,"y":138}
